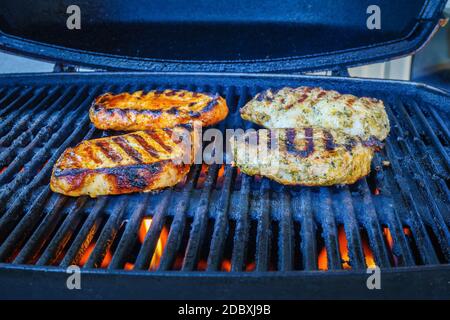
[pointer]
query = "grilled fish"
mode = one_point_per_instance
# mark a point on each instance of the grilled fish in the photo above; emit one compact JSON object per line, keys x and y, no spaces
{"x":306,"y":106}
{"x":156,"y":109}
{"x":134,"y":162}
{"x":305,"y":156}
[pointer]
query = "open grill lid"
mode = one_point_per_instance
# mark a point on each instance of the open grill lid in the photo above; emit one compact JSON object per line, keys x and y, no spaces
{"x":218,"y":36}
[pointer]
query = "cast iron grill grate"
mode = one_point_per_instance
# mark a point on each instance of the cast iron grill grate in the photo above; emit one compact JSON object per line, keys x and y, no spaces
{"x":219,"y":219}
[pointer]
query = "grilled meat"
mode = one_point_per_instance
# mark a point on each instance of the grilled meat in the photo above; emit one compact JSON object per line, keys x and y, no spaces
{"x":306,"y":106}
{"x":134,"y":162}
{"x":156,"y":109}
{"x":305,"y":156}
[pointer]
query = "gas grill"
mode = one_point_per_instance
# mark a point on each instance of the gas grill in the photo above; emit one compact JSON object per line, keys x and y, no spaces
{"x":220,"y":234}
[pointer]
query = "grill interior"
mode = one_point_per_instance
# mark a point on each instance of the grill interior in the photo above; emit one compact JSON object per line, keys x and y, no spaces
{"x":219,"y":219}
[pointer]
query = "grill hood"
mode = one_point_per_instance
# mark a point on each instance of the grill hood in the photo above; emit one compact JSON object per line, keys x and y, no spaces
{"x":217,"y":36}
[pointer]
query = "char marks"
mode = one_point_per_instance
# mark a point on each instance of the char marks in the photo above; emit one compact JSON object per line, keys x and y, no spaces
{"x":328,"y":140}
{"x":148,"y":148}
{"x":292,"y":148}
{"x":158,"y":140}
{"x":129,"y":150}
{"x":109,"y":152}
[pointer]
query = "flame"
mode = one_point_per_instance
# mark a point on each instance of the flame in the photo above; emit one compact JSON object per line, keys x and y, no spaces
{"x":128,"y":266}
{"x":220,"y":177}
{"x":87,"y":254}
{"x":387,"y":234}
{"x":323,"y":259}
{"x":162,"y":241}
{"x":202,"y":265}
{"x":390,"y":243}
{"x":226,"y":265}
{"x":343,"y":250}
{"x":407,"y":231}
{"x":376,"y":191}
{"x":250,"y":267}
{"x":368,"y":254}
{"x":202,"y":176}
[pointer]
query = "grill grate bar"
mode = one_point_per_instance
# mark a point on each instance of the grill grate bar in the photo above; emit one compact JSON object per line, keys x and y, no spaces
{"x":20,"y":158}
{"x":263,"y":233}
{"x":420,"y":178}
{"x":414,"y":220}
{"x":198,"y":227}
{"x":12,"y":215}
{"x":437,"y":144}
{"x":36,"y":96}
{"x":303,"y":212}
{"x":85,"y":235}
{"x":25,"y":136}
{"x":242,"y":227}
{"x":444,"y":129}
{"x":178,"y":223}
{"x":325,"y":215}
{"x":221,"y":222}
{"x":49,"y":221}
{"x":29,"y":119}
{"x":5,"y":102}
{"x":147,"y":250}
{"x":22,"y":230}
{"x":416,"y":137}
{"x":129,"y":236}
{"x":285,"y":252}
{"x":14,"y":99}
{"x":107,"y":235}
{"x":400,"y":248}
{"x":27,"y":153}
{"x":372,"y":225}
{"x":352,"y":233}
{"x":39,"y":237}
{"x":22,"y":196}
{"x":57,"y":244}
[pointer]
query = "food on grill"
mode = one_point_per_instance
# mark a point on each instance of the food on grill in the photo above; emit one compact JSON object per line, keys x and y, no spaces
{"x":304,"y":156}
{"x":306,"y":106}
{"x":156,"y":109}
{"x":134,"y":162}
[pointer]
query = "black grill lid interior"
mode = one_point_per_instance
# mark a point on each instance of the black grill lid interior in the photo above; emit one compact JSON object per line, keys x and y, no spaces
{"x":220,"y":35}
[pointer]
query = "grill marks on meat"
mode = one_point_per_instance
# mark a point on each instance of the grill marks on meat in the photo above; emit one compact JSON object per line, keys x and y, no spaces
{"x":291,"y":147}
{"x":137,"y":162}
{"x":122,"y":142}
{"x":156,"y":109}
{"x":148,"y":148}
{"x":306,"y":156}
{"x":106,"y":150}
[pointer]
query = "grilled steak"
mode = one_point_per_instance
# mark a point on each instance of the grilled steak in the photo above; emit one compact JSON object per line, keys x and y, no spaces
{"x":305,"y":156}
{"x":305,"y":107}
{"x":156,"y":109}
{"x":138,"y":161}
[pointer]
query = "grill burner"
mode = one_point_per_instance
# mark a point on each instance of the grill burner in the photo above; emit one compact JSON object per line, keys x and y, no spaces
{"x":219,"y":219}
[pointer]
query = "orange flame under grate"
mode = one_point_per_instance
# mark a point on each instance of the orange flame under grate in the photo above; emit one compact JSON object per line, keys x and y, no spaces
{"x":106,"y":260}
{"x":220,"y":177}
{"x":162,"y":241}
{"x":343,"y":250}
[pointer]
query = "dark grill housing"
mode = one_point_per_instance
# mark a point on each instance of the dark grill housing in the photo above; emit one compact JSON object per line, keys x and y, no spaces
{"x":219,"y":219}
